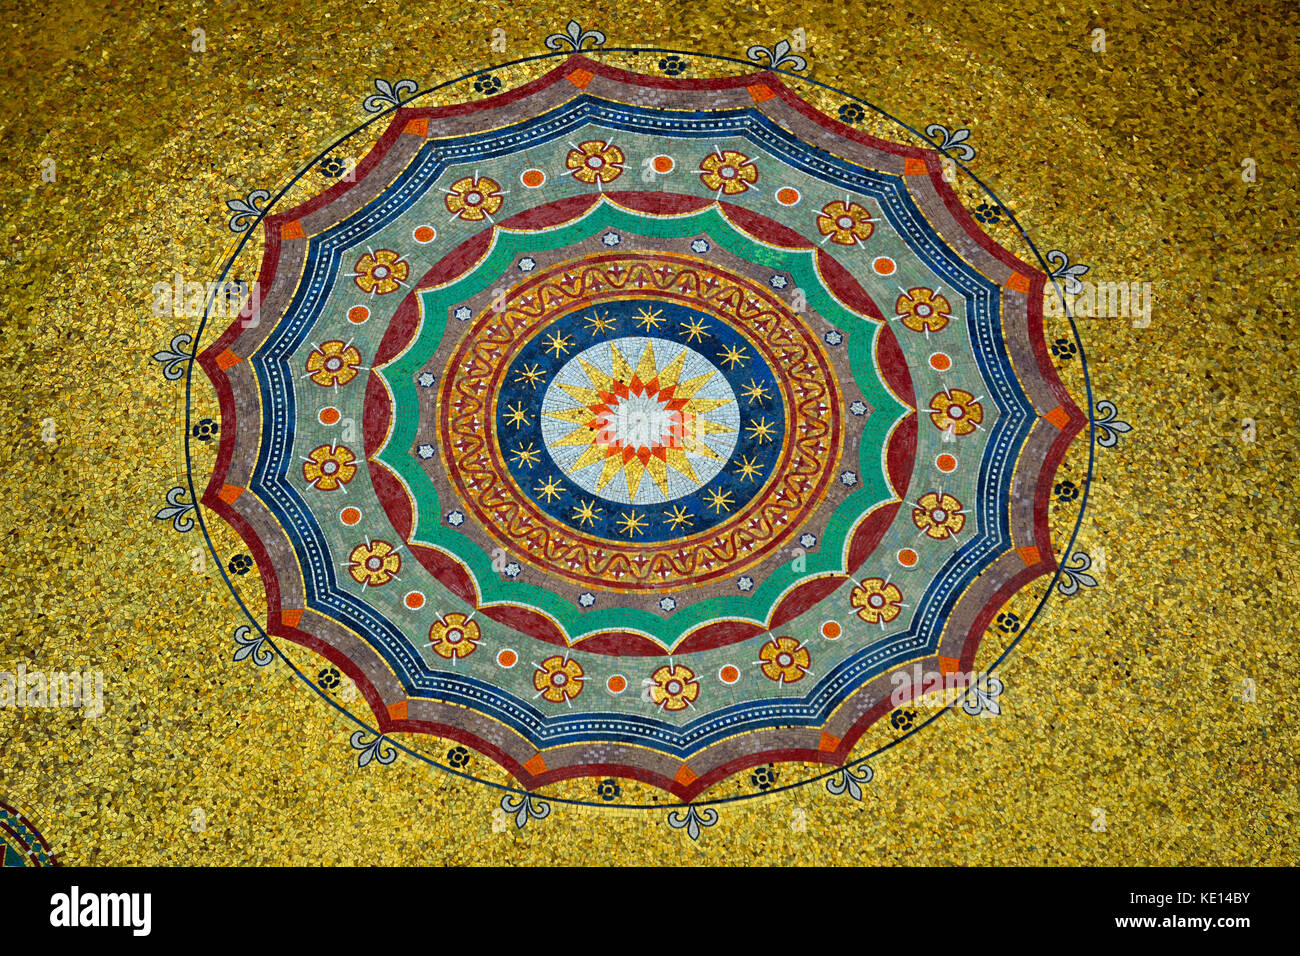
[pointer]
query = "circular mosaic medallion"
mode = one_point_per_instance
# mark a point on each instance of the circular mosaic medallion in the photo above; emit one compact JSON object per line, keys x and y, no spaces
{"x":623,"y":426}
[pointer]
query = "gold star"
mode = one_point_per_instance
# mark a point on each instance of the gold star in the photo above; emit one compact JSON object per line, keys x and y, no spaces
{"x":551,"y":490}
{"x":516,"y":415}
{"x":631,"y":524}
{"x":695,"y":330}
{"x":679,"y":517}
{"x":586,"y":513}
{"x":530,"y":375}
{"x":733,"y":356}
{"x":748,"y":469}
{"x":526,"y":456}
{"x":648,"y":319}
{"x":719,"y":500}
{"x":558,"y":344}
{"x":762,"y":429}
{"x":600,"y":324}
{"x":755,"y":392}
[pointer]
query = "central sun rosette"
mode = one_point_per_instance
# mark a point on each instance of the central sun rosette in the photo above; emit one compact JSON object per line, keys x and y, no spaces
{"x":637,"y":423}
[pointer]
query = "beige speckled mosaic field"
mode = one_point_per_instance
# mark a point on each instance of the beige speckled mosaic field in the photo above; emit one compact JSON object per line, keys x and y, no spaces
{"x":1131,"y":700}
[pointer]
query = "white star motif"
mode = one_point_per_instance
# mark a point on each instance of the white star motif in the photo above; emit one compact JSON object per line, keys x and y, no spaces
{"x":833,"y":337}
{"x":527,"y":264}
{"x":462,"y":314}
{"x":746,"y":583}
{"x":778,"y":282}
{"x":807,"y":540}
{"x":848,"y":478}
{"x":512,"y":570}
{"x":426,"y":380}
{"x":858,"y":408}
{"x":425,"y":451}
{"x":699,"y":245}
{"x":455,"y":519}
{"x":611,"y":238}
{"x":587,"y":599}
{"x":667,"y":604}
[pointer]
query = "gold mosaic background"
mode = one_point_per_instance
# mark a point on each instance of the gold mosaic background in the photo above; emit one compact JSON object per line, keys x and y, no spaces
{"x":1127,"y":699}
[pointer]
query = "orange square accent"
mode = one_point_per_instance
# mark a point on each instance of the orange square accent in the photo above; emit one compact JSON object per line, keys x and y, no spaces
{"x":229,"y":493}
{"x":828,"y":743}
{"x":227,"y":359}
{"x":292,"y":230}
{"x":580,"y":78}
{"x":290,"y":618}
{"x":914,"y":167}
{"x":1058,"y":417}
{"x":685,"y":776}
{"x":760,"y":92}
{"x":949,"y":665}
{"x":417,"y":127}
{"x":397,"y":711}
{"x":535,"y":765}
{"x":1028,"y":555}
{"x":1018,"y":283}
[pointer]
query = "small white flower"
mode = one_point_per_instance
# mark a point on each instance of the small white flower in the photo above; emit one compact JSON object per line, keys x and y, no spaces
{"x":699,"y":245}
{"x":425,"y":451}
{"x":807,"y":540}
{"x":527,"y":264}
{"x":611,"y":238}
{"x":833,"y":337}
{"x":426,"y":380}
{"x":462,"y":314}
{"x":455,"y":519}
{"x":512,"y":570}
{"x":746,"y":583}
{"x":587,"y":599}
{"x":848,"y":478}
{"x":778,"y":282}
{"x":858,"y":408}
{"x":667,"y":604}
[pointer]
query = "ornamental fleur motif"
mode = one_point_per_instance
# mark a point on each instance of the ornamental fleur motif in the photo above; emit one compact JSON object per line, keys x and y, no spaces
{"x":1109,"y":427}
{"x":258,"y":646}
{"x":377,"y":749}
{"x":691,"y":820}
{"x":247,"y":211}
{"x":174,"y":358}
{"x":177,"y":510}
{"x":525,"y":807}
{"x":574,"y":38}
{"x":1067,"y":273}
{"x":389,"y":95}
{"x":848,"y":780}
{"x":1073,"y":576}
{"x":777,"y":57}
{"x":953,"y":141}
{"x":982,"y":697}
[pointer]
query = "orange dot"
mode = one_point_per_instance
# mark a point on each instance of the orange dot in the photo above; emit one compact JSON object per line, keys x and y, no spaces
{"x":358,"y":314}
{"x":616,"y":684}
{"x":907,"y":558}
{"x":329,"y":415}
{"x":940,"y":362}
{"x":663,"y":164}
{"x":349,"y":516}
{"x":729,"y":674}
{"x":507,"y":658}
{"x":415,"y":600}
{"x":787,"y":195}
{"x":532,"y":178}
{"x":884,"y":266}
{"x":831,"y":630}
{"x":424,"y":233}
{"x":946,"y":463}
